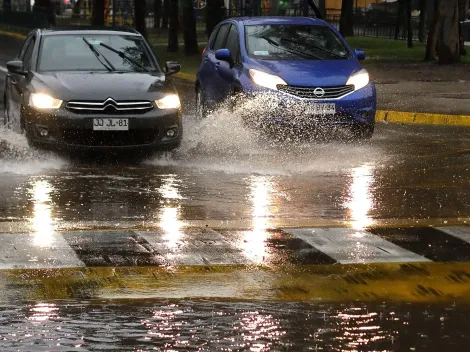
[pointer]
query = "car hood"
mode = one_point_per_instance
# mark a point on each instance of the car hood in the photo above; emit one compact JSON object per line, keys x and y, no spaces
{"x":318,"y":73}
{"x":100,"y":86}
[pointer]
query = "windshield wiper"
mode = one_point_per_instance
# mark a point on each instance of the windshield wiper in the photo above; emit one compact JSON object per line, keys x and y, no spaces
{"x":124,"y":56}
{"x":316,"y":47}
{"x":295,"y":52}
{"x":95,"y":51}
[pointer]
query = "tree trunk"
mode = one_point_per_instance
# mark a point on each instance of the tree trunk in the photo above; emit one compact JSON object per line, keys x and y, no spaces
{"x":409,"y":24}
{"x":76,"y":7}
{"x":463,"y":6}
{"x":140,"y":14}
{"x":215,"y":14}
{"x":166,"y":11}
{"x":398,"y":25}
{"x":346,"y":22}
{"x":157,"y":13}
{"x":422,"y":20}
{"x":189,"y":28}
{"x":173,"y":26}
{"x":6,"y":5}
{"x":46,"y":7}
{"x":433,"y":32}
{"x":449,"y":48}
{"x":97,"y":16}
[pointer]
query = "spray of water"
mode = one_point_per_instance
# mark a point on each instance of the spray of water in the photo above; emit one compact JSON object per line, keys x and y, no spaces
{"x":231,"y":140}
{"x":17,"y":158}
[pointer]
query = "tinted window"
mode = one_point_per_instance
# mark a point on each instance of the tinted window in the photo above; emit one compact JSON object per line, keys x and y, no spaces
{"x":220,"y":39}
{"x":233,"y":42}
{"x":292,"y":42}
{"x":28,"y":55}
{"x":71,"y":53}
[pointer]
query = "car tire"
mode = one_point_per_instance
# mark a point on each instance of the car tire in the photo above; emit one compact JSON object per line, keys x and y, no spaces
{"x":365,"y":132}
{"x":6,"y":112}
{"x":201,"y":109}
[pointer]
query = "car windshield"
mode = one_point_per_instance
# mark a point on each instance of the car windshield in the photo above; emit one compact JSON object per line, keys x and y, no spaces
{"x":72,"y":53}
{"x":294,"y":42}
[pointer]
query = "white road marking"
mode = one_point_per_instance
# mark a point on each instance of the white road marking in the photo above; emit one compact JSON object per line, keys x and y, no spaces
{"x":195,"y":247}
{"x":462,"y":233}
{"x":3,"y":69}
{"x":348,"y":246}
{"x":36,"y":251}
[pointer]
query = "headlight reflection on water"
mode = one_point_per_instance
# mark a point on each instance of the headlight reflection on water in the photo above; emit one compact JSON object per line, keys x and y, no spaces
{"x":42,"y":220}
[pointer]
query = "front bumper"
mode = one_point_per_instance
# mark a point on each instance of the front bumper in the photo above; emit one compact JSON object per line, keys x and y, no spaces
{"x":71,"y":131}
{"x":275,"y":108}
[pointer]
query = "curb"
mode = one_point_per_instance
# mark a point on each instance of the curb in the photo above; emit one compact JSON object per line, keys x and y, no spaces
{"x":381,"y":115}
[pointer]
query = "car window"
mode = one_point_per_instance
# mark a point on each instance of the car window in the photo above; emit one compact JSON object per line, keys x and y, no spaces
{"x":28,"y":56}
{"x":212,"y":38}
{"x":294,"y":42}
{"x":24,"y":47}
{"x":69,"y":52}
{"x":233,"y":43}
{"x":221,"y":35}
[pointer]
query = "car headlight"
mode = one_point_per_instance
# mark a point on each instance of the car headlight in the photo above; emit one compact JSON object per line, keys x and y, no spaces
{"x":44,"y":101}
{"x":266,"y":80}
{"x":360,"y":79}
{"x":171,"y":101}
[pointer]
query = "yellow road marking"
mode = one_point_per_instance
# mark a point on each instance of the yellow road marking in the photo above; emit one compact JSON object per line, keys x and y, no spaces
{"x":398,"y":282}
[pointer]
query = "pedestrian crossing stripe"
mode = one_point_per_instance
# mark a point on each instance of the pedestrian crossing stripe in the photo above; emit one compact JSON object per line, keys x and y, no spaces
{"x":207,"y":247}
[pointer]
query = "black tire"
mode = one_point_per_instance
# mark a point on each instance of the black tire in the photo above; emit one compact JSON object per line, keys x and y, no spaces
{"x":201,"y":108}
{"x":365,"y":132}
{"x":6,"y":113}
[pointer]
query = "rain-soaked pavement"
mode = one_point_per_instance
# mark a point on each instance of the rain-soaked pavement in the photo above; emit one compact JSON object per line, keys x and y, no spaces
{"x":233,"y":243}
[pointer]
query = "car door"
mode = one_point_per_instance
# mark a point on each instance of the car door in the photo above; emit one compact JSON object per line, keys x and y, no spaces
{"x":229,"y":74}
{"x":17,"y":82}
{"x":213,"y":84}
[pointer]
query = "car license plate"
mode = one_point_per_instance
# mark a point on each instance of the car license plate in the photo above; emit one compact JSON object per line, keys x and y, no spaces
{"x":110,"y":124}
{"x":322,"y":109}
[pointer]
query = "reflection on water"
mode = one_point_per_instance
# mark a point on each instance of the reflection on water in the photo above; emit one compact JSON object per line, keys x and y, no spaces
{"x":262,"y":191}
{"x":234,"y":326}
{"x":359,"y":202}
{"x":42,"y":220}
{"x":42,"y":312}
{"x":170,"y":212}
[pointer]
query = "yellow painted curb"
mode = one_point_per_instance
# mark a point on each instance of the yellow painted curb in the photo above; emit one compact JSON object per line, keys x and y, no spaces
{"x":13,"y":34}
{"x":422,"y":118}
{"x":393,"y":282}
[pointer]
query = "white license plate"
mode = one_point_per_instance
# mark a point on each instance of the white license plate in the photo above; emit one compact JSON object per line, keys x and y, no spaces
{"x":322,"y":109}
{"x":110,"y":124}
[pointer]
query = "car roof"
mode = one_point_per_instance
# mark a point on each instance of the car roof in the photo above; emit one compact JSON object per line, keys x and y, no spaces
{"x":263,"y":20}
{"x":89,"y":30}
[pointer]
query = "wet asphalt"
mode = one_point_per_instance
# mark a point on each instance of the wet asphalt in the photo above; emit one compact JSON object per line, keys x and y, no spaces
{"x":228,"y":197}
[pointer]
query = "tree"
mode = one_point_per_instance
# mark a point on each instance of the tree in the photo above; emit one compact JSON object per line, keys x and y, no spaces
{"x":189,"y":28}
{"x":316,"y":9}
{"x":409,"y":24}
{"x":215,"y":14}
{"x":449,"y":41}
{"x":140,"y":14}
{"x":173,"y":26}
{"x":97,"y":16}
{"x":6,"y":5}
{"x":422,"y":20}
{"x":46,"y":7}
{"x":433,"y":32}
{"x":400,"y":16}
{"x":346,"y":22}
{"x":166,"y":11}
{"x":157,"y":13}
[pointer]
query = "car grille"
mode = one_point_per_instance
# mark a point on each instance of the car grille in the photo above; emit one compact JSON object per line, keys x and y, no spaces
{"x":308,"y":92}
{"x":109,"y":138}
{"x":109,"y":107}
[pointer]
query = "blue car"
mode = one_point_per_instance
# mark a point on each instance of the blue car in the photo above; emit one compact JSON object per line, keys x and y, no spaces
{"x":311,"y":76}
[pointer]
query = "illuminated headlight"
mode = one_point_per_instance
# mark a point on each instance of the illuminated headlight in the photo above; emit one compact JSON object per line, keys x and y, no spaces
{"x":359,"y":79}
{"x":266,"y":80}
{"x":171,"y":101}
{"x":44,"y":101}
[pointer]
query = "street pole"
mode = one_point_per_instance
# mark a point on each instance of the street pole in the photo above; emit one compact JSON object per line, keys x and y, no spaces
{"x":114,"y":13}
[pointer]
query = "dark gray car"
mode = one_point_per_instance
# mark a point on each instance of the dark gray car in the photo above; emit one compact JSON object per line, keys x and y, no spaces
{"x":94,"y":90}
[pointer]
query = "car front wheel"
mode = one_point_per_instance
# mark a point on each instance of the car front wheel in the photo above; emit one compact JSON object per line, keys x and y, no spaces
{"x":201,"y":110}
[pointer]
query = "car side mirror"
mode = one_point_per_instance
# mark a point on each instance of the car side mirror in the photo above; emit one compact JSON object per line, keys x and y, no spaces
{"x":172,"y":67}
{"x":16,"y":66}
{"x":224,"y":55}
{"x":360,"y":54}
